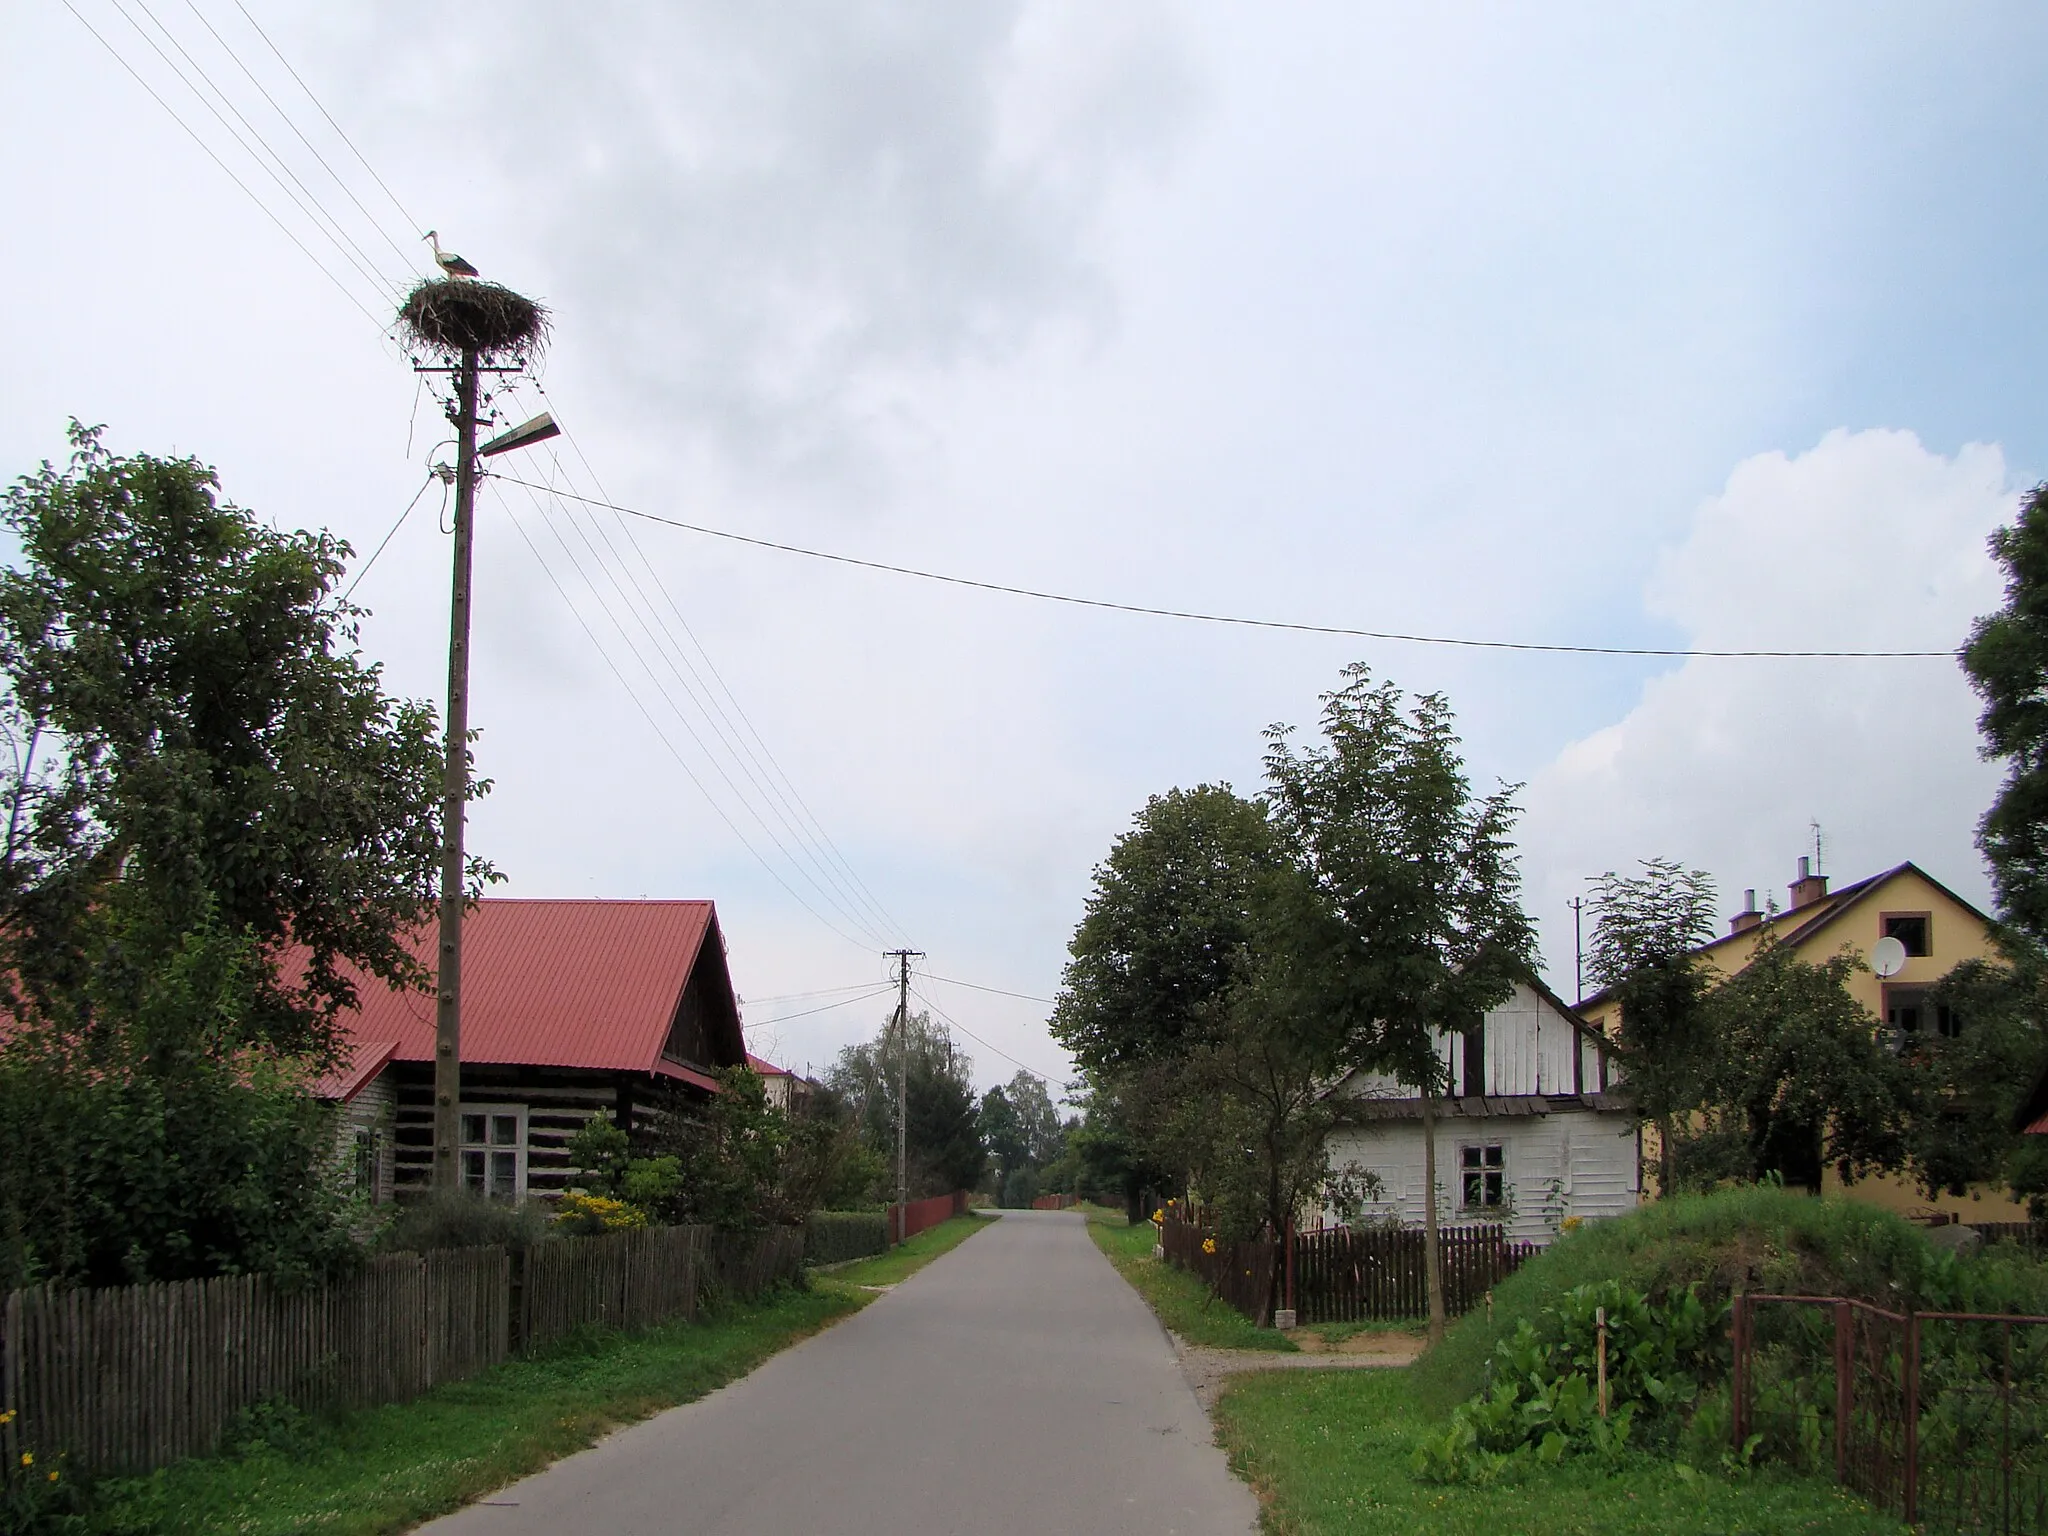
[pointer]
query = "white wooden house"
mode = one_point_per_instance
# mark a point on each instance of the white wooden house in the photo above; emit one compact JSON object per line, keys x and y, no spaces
{"x":1535,"y":1127}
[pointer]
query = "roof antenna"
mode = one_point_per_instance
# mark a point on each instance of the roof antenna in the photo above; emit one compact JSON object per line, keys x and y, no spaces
{"x":1818,"y":844}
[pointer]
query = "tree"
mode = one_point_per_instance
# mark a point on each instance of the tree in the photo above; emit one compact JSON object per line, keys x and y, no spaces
{"x":1415,"y":928}
{"x":1164,"y":929}
{"x":943,"y":1146}
{"x":190,"y":720}
{"x":1645,"y":929}
{"x":1797,"y":1079}
{"x":2007,"y":661}
{"x":1969,"y":1070}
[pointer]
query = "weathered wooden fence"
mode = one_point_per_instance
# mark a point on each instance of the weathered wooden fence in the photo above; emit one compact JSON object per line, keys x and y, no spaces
{"x":132,"y":1378}
{"x":1341,"y":1276}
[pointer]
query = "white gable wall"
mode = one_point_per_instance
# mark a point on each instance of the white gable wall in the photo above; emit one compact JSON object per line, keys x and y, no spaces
{"x":1529,"y":1049}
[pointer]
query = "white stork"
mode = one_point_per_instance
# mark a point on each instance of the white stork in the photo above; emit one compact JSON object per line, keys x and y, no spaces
{"x":448,"y":261}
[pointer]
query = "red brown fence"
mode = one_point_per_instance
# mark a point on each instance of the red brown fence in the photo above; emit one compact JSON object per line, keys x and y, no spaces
{"x":1055,"y":1202}
{"x":906,"y":1221}
{"x":1342,"y":1276}
{"x":128,"y":1379}
{"x":1938,"y":1417}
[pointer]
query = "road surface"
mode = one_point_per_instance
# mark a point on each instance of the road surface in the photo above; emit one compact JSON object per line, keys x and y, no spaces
{"x":1014,"y":1385}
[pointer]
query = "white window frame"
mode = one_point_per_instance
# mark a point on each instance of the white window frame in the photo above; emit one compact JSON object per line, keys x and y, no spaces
{"x":486,"y":1149}
{"x":1506,"y":1187}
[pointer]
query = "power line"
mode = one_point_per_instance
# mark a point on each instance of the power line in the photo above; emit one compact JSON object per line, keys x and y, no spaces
{"x":364,"y":569}
{"x":986,"y":1045}
{"x":784,"y":1018}
{"x":1280,"y":624}
{"x":797,"y":997}
{"x":975,"y":986}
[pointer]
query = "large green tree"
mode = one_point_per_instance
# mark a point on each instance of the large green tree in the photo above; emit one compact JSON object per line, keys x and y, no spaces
{"x":2007,"y":662}
{"x":1645,"y":929}
{"x":1416,"y":927}
{"x":943,"y":1148}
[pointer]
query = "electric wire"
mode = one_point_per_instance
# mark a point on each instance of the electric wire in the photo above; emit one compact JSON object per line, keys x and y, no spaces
{"x":364,"y":569}
{"x":227,"y":170}
{"x":765,"y":763}
{"x":410,"y":221}
{"x":825,"y":892}
{"x":673,"y":750}
{"x":406,"y":258}
{"x":797,"y":997}
{"x":975,"y":986}
{"x":986,"y":1045}
{"x":784,"y":1018}
{"x":834,"y":888}
{"x":350,"y":251}
{"x":1276,"y":624}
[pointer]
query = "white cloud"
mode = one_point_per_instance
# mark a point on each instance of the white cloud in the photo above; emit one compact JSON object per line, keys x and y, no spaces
{"x":1867,"y":541}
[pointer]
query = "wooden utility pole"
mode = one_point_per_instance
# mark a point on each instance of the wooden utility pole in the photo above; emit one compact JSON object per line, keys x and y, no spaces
{"x":455,"y":800}
{"x":903,"y":958}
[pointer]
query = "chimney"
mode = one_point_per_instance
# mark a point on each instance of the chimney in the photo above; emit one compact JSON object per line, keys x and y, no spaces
{"x":1748,"y":917}
{"x":1808,"y":888}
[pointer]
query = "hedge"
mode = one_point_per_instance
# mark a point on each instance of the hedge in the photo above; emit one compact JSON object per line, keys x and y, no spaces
{"x":832,"y":1236}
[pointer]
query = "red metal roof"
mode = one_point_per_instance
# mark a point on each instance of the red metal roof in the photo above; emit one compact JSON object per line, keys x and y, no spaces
{"x":767,"y":1068}
{"x":592,"y":984}
{"x":360,"y":1061}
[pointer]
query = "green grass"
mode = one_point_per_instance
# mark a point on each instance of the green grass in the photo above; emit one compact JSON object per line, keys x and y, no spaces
{"x":1337,"y":1333}
{"x":1183,"y":1303}
{"x":906,"y":1259}
{"x":387,"y":1469}
{"x":1328,"y":1453}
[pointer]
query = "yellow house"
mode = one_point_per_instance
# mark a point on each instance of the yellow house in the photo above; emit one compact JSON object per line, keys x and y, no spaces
{"x":1938,"y":929}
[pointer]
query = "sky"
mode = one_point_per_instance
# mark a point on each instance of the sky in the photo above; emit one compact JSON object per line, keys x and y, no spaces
{"x":1701,"y":327}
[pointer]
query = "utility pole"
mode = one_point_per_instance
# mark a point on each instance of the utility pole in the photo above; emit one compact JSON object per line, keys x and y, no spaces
{"x":903,"y":957}
{"x":454,"y":799}
{"x":1578,"y":951}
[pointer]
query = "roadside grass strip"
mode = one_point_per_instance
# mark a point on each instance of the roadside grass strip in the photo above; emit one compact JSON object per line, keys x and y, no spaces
{"x":1184,"y":1304}
{"x":906,"y":1259}
{"x":390,"y":1468}
{"x":1328,"y":1451}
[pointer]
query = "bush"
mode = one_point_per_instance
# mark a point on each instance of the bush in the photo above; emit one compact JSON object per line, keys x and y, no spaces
{"x":831,"y":1237}
{"x":1020,"y":1189}
{"x":1754,"y":1239}
{"x":464,"y":1220}
{"x":582,"y":1215}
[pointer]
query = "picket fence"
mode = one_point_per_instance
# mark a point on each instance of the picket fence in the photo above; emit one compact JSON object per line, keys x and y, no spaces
{"x":128,"y":1379}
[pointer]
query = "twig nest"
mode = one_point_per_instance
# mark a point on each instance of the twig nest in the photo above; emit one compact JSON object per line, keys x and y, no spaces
{"x":454,"y":314}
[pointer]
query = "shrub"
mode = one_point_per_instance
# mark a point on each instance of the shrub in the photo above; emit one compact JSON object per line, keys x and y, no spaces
{"x":463,"y":1220}
{"x":582,"y":1215}
{"x":831,"y":1237}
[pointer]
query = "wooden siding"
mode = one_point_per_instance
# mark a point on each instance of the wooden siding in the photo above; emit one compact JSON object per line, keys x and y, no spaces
{"x":558,"y":1102}
{"x":1530,"y":1048}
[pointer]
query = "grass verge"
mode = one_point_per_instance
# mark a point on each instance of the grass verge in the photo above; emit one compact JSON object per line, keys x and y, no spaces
{"x":1328,"y":1452}
{"x":387,"y":1469}
{"x":906,"y":1259}
{"x":1183,"y":1303}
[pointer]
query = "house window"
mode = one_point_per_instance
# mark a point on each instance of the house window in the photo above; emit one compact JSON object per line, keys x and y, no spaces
{"x":494,"y":1150}
{"x":1910,"y":929}
{"x":366,"y":1149}
{"x":1910,"y":1011}
{"x":1482,"y":1173}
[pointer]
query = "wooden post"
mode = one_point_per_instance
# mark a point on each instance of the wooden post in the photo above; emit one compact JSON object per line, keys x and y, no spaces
{"x":454,"y":801}
{"x":1912,"y":1418}
{"x":1600,"y":1325}
{"x":1844,"y":1386}
{"x":1738,"y":1387}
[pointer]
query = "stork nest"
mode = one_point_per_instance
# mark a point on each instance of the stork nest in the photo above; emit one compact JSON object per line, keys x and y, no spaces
{"x":457,"y":314}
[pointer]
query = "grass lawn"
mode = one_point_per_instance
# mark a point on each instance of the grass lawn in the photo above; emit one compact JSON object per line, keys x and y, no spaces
{"x":906,"y":1259}
{"x":390,"y":1468}
{"x":1182,"y":1302}
{"x":1328,"y":1453}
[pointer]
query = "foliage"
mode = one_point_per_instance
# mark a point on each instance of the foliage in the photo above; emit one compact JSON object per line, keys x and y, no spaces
{"x":462,"y":1219}
{"x":1645,"y":929}
{"x":1329,"y":1452}
{"x":35,"y":1496}
{"x":1542,"y":1395}
{"x":1019,"y":1189}
{"x":123,"y":1161}
{"x":1797,"y":1079}
{"x":943,"y":1146}
{"x":1098,"y":1157}
{"x":192,"y":724}
{"x":1022,"y":1131}
{"x":1966,"y":1087}
{"x":832,"y":1237}
{"x":580,"y":1214}
{"x":2007,"y":661}
{"x":906,"y":1258}
{"x":1757,"y":1238}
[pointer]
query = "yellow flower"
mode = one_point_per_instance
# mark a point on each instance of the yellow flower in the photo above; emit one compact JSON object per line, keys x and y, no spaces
{"x":27,"y":1460}
{"x":1208,"y":1245}
{"x":53,"y":1477}
{"x":1159,"y":1216}
{"x":7,"y":1417}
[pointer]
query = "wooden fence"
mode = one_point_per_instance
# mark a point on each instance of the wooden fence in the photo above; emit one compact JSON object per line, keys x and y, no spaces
{"x":906,"y":1221}
{"x":1342,"y":1276}
{"x":129,"y":1379}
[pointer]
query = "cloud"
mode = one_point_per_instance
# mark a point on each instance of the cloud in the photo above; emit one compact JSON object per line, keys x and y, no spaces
{"x":1866,"y":541}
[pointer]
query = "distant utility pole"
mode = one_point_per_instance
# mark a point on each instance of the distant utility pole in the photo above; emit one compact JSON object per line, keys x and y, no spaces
{"x":902,"y":957}
{"x":1578,"y":951}
{"x":454,"y":799}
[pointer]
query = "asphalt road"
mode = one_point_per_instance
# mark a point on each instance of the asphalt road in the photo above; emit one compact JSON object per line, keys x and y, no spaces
{"x":1014,"y":1385}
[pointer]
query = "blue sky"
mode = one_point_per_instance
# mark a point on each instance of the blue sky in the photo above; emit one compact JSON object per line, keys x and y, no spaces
{"x":1600,"y":326}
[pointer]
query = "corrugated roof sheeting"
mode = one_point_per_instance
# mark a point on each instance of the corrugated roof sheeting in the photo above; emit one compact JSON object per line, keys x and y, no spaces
{"x":590,"y":984}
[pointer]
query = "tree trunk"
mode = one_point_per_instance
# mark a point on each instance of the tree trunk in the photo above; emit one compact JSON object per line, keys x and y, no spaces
{"x":1664,"y":1157}
{"x":1432,"y":1247}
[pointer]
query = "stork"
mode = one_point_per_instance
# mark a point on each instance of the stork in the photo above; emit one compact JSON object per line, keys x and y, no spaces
{"x":448,"y":261}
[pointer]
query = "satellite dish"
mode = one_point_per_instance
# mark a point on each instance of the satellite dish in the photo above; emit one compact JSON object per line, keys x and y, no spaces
{"x":1887,"y":957}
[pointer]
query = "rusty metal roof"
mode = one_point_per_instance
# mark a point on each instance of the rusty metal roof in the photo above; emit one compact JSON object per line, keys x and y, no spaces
{"x":591,"y":984}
